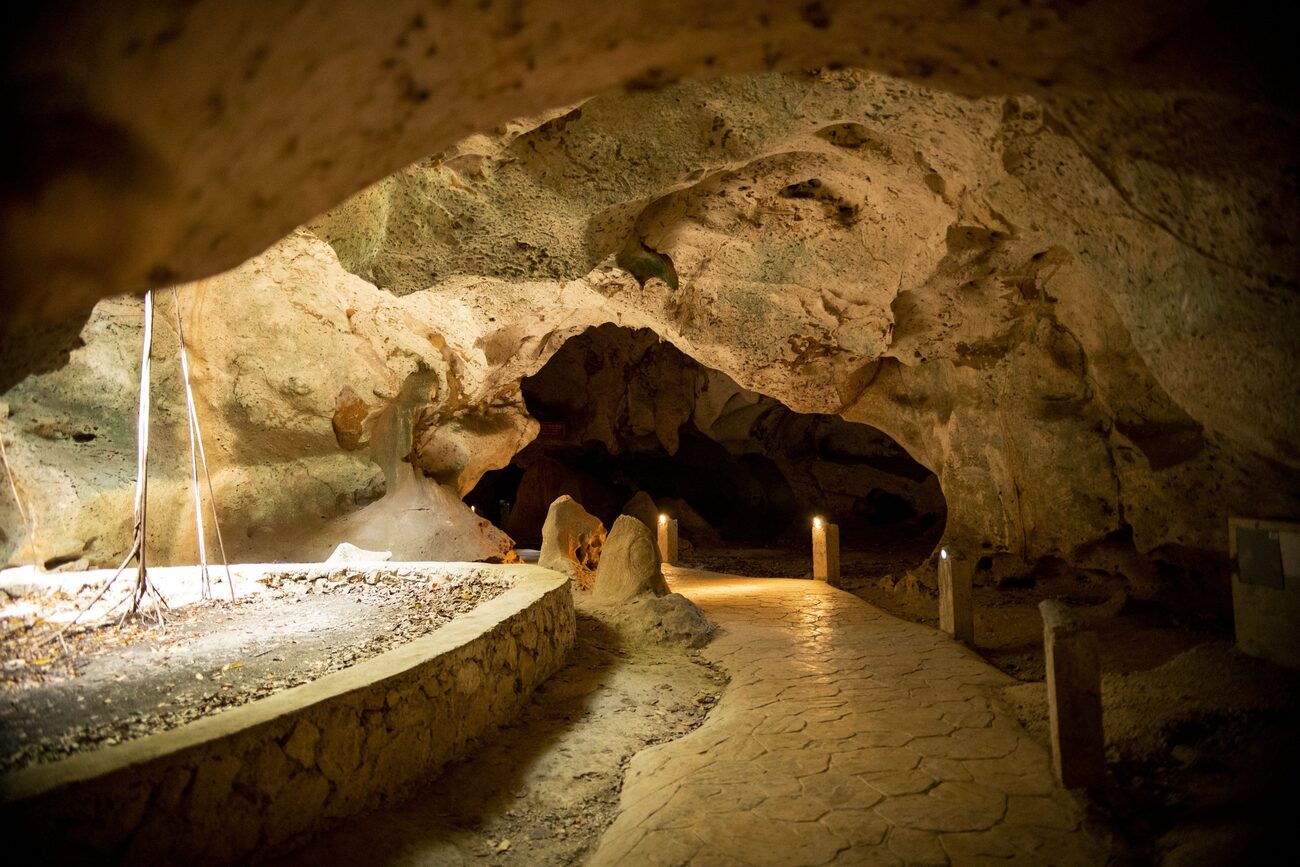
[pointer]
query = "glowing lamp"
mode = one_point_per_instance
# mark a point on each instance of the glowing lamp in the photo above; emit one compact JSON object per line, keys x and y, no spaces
{"x":943,"y":552}
{"x":817,"y":522}
{"x":663,"y":519}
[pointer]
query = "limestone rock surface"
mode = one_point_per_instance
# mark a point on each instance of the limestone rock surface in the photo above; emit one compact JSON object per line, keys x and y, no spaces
{"x":292,"y":338}
{"x":572,"y":541}
{"x":218,"y":128}
{"x":1074,"y":305}
{"x":629,"y":564}
{"x":642,"y":507}
{"x":650,"y":619}
{"x":346,"y":552}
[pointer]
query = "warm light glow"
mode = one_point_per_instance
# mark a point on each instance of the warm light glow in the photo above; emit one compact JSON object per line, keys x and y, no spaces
{"x":663,"y":519}
{"x":943,"y":552}
{"x":817,"y":523}
{"x":474,"y":509}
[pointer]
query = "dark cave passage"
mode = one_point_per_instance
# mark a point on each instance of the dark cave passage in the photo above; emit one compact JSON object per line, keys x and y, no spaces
{"x":625,"y":415}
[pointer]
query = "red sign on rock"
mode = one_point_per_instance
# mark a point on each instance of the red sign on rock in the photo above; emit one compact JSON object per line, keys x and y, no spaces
{"x":551,"y":430}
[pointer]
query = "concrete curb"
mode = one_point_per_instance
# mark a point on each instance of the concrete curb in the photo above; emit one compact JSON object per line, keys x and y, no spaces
{"x":254,"y":777}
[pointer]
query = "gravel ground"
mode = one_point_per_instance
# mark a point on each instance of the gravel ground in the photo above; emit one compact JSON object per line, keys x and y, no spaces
{"x":543,"y":789}
{"x":110,"y":682}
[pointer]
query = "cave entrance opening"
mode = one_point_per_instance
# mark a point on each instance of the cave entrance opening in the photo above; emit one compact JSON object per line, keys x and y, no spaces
{"x":630,"y":424}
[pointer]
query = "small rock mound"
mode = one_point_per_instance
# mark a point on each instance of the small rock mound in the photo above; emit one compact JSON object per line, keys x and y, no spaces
{"x":571,"y":541}
{"x":346,"y":552}
{"x":650,"y":619}
{"x":630,"y":592}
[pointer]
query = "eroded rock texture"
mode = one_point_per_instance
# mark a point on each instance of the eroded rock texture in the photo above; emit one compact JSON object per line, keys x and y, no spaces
{"x":1077,"y":311}
{"x":311,"y":386}
{"x":169,"y":141}
{"x":643,"y":423}
{"x":572,"y":541}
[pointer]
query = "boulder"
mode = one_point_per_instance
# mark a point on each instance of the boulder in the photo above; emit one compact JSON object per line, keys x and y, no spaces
{"x":571,"y":541}
{"x":643,"y":508}
{"x":629,"y":565}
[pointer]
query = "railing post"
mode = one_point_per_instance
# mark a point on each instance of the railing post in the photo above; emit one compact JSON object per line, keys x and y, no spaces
{"x":826,"y":552}
{"x":956,"y":609}
{"x":668,"y":540}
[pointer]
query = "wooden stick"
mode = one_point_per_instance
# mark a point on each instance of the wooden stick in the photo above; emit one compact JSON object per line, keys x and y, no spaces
{"x":142,"y":463}
{"x":203,"y":455}
{"x":28,"y":523}
{"x":205,"y":582}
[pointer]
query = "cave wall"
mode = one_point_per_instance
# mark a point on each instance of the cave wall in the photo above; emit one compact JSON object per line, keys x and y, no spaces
{"x":639,"y":413}
{"x":298,"y":367}
{"x":1084,"y":330}
{"x":168,"y":141}
{"x":967,"y":275}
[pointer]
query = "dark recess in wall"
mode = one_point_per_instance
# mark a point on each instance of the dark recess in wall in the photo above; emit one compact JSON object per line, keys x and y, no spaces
{"x":754,"y":479}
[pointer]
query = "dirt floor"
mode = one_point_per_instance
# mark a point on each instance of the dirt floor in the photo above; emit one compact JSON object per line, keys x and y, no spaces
{"x":1200,"y":738}
{"x":109,"y":680}
{"x":542,"y":790}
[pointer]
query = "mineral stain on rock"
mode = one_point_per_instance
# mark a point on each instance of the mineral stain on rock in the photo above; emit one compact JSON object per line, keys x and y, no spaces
{"x":350,"y":414}
{"x":645,"y":263}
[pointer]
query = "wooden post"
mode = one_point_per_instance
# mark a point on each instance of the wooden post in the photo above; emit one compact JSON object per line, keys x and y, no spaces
{"x":1073,"y":697}
{"x":668,"y":540}
{"x":956,"y":610}
{"x":826,"y":552}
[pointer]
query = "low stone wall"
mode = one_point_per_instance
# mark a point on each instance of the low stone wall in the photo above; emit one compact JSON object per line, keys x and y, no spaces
{"x":247,"y":780}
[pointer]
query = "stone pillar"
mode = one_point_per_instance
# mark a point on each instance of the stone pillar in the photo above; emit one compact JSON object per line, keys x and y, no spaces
{"x":1073,"y":697}
{"x":668,"y":540}
{"x":956,"y":610}
{"x":826,"y":552}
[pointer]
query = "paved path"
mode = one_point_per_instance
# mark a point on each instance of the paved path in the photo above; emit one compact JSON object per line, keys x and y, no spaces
{"x":847,"y":736}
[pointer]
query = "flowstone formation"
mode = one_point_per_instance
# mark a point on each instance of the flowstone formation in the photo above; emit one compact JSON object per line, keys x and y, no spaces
{"x":1076,"y":312}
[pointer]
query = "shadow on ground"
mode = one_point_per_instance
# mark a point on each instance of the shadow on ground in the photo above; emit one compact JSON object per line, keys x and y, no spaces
{"x":543,"y":789}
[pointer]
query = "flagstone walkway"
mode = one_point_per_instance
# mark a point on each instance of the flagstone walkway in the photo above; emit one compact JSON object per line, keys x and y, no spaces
{"x":846,"y":736}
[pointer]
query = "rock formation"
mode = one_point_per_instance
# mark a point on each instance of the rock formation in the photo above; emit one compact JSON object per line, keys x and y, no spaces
{"x":291,"y":334}
{"x":346,"y":552}
{"x":642,"y":507}
{"x":572,"y":541}
{"x":544,"y":480}
{"x":629,"y":564}
{"x":218,"y":130}
{"x":1075,"y":308}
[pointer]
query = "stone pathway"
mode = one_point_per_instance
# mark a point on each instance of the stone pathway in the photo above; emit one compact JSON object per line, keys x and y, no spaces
{"x":847,"y":736}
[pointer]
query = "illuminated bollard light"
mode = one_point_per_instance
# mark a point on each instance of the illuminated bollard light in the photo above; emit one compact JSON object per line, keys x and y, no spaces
{"x":826,"y":552}
{"x":956,"y":610}
{"x":1073,"y":697}
{"x":668,"y":540}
